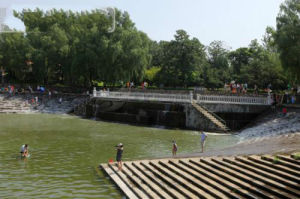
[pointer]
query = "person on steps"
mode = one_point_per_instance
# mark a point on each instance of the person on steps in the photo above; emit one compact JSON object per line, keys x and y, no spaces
{"x":119,"y":156}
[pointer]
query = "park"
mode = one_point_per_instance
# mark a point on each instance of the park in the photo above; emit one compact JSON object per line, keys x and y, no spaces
{"x":110,"y":104}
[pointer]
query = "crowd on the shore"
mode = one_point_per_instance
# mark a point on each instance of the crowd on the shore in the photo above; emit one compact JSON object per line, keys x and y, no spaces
{"x":12,"y":90}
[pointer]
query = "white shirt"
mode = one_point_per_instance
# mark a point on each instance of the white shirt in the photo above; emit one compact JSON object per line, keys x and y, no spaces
{"x":203,"y":136}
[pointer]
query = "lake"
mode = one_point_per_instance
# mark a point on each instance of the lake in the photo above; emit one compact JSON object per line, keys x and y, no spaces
{"x":66,"y":150}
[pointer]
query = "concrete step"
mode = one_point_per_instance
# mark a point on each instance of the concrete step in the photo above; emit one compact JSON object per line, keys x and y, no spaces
{"x":207,"y":177}
{"x":259,"y":160}
{"x":234,"y":179}
{"x":178,"y":183}
{"x":141,"y":181}
{"x":210,"y":117}
{"x":198,"y":187}
{"x":123,"y":177}
{"x":265,"y":171}
{"x":270,"y":184}
{"x":238,"y":174}
{"x":282,"y":162}
{"x":289,"y":159}
{"x":220,"y":184}
{"x":124,"y":187}
{"x":175,"y":190}
{"x":139,"y":187}
{"x":155,"y":183}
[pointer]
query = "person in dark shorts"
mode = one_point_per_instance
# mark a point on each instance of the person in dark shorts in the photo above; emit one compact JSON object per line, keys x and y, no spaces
{"x":119,"y":156}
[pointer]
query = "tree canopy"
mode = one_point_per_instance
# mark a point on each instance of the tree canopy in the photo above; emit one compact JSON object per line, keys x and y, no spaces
{"x":78,"y":49}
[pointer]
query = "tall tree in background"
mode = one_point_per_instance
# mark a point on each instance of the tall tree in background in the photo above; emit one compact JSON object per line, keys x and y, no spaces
{"x":287,"y":36}
{"x":182,"y":61}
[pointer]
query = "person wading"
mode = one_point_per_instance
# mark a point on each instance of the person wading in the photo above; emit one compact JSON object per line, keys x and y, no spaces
{"x":174,"y":148}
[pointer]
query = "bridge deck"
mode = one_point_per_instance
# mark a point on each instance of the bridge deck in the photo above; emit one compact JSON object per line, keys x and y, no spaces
{"x":213,"y":177}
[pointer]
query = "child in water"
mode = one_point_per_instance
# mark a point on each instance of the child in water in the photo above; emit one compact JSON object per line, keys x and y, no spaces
{"x":24,"y":150}
{"x":174,"y":148}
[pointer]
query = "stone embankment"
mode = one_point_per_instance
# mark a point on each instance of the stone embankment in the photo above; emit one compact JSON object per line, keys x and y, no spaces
{"x":213,"y":177}
{"x":22,"y":103}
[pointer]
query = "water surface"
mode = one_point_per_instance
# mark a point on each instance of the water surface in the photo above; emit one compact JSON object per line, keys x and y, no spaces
{"x":66,"y":150}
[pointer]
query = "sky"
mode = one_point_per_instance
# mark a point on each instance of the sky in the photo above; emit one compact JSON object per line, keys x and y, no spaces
{"x":235,"y":22}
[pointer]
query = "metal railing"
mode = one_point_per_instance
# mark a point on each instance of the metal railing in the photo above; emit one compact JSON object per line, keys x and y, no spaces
{"x":144,"y":96}
{"x":233,"y":100}
{"x":183,"y":98}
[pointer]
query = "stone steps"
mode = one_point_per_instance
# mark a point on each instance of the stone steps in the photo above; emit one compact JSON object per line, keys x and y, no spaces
{"x":213,"y":177}
{"x":14,"y":106}
{"x":211,"y":117}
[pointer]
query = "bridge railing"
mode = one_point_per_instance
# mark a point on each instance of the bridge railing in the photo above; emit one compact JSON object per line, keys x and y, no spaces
{"x":143,"y":96}
{"x":233,"y":99}
{"x":186,"y":98}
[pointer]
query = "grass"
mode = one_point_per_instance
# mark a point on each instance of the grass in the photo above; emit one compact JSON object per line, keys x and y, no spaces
{"x":276,"y":160}
{"x":296,"y":155}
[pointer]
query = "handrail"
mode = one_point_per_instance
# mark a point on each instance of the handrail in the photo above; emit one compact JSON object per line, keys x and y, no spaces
{"x":143,"y":96}
{"x":233,"y":99}
{"x":185,"y":98}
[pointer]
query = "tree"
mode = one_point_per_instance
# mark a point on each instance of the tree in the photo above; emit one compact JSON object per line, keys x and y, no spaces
{"x":182,"y":61}
{"x":287,"y":36}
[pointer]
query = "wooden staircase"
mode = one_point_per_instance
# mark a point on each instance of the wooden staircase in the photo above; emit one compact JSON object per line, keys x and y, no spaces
{"x":213,"y":177}
{"x":219,"y":122}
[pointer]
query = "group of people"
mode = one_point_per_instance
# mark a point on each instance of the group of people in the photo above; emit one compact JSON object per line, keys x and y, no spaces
{"x":236,"y":88}
{"x":129,"y":85}
{"x":120,"y":149}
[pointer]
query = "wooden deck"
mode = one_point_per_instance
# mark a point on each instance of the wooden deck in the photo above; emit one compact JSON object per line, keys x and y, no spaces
{"x":213,"y":177}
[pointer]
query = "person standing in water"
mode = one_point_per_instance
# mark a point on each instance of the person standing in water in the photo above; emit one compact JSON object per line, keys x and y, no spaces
{"x":174,"y":148}
{"x":24,"y":150}
{"x":119,"y":156}
{"x":203,"y":138}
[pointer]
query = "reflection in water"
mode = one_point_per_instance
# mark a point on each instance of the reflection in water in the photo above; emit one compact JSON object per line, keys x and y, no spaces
{"x":66,"y":150}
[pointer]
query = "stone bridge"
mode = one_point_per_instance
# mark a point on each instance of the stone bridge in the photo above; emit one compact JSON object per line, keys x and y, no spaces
{"x":191,"y":111}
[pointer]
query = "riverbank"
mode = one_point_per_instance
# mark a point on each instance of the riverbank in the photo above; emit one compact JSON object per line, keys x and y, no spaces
{"x":26,"y":103}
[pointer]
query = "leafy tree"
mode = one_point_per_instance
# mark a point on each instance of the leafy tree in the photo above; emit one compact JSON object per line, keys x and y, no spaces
{"x":182,"y":61}
{"x":287,"y":36}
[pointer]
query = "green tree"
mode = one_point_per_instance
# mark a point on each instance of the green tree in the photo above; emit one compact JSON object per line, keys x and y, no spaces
{"x":287,"y":36}
{"x":182,"y":62}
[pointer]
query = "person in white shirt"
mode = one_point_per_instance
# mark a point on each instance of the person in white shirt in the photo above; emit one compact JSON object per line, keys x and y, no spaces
{"x":203,"y":138}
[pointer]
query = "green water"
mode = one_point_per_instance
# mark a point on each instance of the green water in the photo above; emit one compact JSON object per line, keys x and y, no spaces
{"x":66,"y":150}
